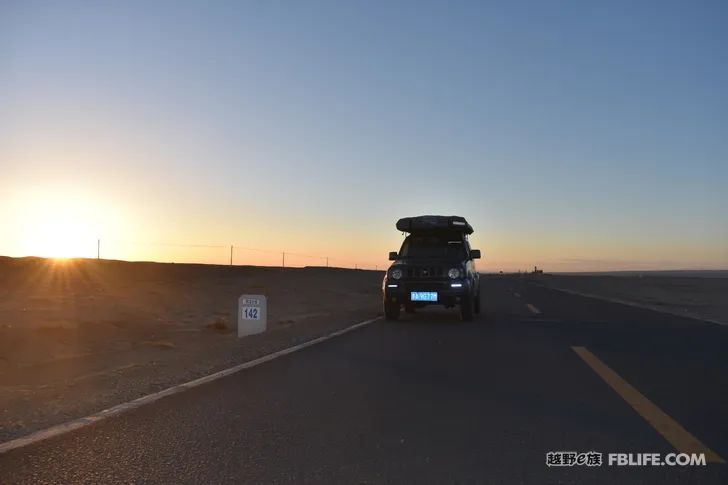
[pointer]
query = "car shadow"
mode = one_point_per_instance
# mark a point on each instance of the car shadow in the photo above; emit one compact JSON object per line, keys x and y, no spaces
{"x":433,"y":315}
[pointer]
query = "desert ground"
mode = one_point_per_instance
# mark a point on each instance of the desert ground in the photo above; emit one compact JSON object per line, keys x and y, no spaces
{"x":78,"y":336}
{"x":699,"y":294}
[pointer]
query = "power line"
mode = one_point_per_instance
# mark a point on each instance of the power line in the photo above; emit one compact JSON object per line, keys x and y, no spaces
{"x":325,"y":259}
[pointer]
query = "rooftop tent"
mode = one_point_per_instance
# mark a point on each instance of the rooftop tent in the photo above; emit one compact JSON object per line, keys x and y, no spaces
{"x":433,"y":224}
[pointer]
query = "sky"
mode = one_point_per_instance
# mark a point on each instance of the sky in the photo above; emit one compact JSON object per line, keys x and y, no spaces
{"x":576,"y":136}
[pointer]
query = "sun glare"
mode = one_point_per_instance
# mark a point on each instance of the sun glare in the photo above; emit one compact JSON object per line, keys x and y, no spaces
{"x":59,"y":226}
{"x":62,"y":236}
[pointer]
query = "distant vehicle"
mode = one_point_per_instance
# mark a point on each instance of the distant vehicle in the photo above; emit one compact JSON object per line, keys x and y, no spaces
{"x":434,"y":266}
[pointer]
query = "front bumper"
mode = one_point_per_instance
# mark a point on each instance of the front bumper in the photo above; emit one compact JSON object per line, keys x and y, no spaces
{"x":448,"y":293}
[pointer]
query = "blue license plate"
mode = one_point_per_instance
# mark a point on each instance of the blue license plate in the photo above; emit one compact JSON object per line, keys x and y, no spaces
{"x":423,"y":296}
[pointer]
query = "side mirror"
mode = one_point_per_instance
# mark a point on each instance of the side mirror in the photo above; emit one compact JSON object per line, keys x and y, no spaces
{"x":475,"y":253}
{"x":393,"y":256}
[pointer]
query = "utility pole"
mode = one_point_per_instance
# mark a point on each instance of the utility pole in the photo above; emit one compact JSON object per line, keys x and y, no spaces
{"x":231,"y":255}
{"x":98,"y":249}
{"x":284,"y":259}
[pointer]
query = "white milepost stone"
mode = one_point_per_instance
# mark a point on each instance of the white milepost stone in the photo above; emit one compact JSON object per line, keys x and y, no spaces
{"x":252,"y":314}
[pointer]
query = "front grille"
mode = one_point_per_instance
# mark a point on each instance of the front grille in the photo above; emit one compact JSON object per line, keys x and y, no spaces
{"x":425,"y":272}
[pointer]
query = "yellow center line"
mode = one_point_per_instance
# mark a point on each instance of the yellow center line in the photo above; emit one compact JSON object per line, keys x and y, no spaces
{"x":671,"y":430}
{"x":533,"y":309}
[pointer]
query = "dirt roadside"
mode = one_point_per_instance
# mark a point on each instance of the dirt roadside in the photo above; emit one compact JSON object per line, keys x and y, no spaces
{"x":79,"y":336}
{"x":698,"y":297}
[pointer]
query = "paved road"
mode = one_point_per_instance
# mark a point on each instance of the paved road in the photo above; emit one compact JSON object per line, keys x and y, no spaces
{"x":427,"y":400}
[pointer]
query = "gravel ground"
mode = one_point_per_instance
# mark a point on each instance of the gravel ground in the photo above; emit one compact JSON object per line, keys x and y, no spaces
{"x":85,"y":336}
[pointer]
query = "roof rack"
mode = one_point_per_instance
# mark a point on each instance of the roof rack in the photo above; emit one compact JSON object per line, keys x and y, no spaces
{"x":419,"y":224}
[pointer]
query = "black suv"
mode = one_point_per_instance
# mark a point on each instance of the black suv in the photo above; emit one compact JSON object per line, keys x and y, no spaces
{"x":435,"y":266}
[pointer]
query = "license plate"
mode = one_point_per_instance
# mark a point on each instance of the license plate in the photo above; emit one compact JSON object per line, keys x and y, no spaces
{"x":423,"y":296}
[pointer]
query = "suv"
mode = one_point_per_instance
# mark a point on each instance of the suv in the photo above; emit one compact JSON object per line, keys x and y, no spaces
{"x":434,"y":266}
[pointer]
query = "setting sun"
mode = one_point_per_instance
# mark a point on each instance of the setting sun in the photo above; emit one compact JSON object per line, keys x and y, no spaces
{"x":61,"y":235}
{"x":58,"y":224}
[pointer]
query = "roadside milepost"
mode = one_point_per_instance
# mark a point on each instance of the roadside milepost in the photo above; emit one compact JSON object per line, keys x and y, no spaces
{"x":252,"y":314}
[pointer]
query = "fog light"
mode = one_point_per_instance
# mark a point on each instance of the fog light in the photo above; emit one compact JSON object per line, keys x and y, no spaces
{"x":454,"y":273}
{"x":456,"y":285}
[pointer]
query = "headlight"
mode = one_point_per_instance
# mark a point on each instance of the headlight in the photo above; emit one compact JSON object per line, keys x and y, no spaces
{"x":396,"y":274}
{"x":454,"y":273}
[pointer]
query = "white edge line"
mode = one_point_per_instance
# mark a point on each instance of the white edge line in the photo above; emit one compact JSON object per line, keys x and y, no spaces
{"x":636,"y":305}
{"x":69,"y":426}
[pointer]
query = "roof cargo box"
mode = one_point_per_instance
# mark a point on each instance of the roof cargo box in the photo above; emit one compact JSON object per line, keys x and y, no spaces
{"x":434,"y":223}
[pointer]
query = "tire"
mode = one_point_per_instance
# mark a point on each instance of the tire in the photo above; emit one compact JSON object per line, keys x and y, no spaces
{"x":391,"y":311}
{"x":466,"y":309}
{"x":477,"y":303}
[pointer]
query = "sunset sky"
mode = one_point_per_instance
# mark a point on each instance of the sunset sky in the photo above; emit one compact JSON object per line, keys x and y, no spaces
{"x":572,"y":135}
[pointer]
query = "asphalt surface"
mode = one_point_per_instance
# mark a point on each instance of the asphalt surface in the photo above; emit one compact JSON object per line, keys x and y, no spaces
{"x":426,"y":400}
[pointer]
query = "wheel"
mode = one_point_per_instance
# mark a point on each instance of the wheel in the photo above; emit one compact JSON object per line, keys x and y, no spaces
{"x":477,"y":303}
{"x":391,"y":311}
{"x":466,"y":308}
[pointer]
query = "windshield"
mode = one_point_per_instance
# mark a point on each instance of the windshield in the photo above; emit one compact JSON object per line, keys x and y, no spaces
{"x":432,"y":247}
